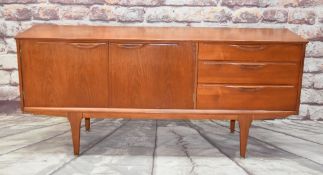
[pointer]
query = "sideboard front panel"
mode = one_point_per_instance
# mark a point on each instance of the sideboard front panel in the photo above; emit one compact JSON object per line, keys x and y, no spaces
{"x":152,"y":75}
{"x":64,"y":74}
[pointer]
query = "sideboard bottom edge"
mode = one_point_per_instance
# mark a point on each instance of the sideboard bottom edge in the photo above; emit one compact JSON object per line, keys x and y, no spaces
{"x":130,"y":113}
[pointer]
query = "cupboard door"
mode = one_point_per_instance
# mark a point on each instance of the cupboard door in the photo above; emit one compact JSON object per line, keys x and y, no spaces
{"x":63,"y":74}
{"x":151,"y":75}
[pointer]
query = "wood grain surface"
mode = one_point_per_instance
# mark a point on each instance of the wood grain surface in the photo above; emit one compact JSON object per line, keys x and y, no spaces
{"x":248,"y":73}
{"x":151,"y":75}
{"x":62,"y":74}
{"x":246,"y":97}
{"x":251,"y":52}
{"x":68,"y":32}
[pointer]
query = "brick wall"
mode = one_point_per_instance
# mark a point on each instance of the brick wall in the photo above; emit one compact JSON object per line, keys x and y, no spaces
{"x":304,"y":17}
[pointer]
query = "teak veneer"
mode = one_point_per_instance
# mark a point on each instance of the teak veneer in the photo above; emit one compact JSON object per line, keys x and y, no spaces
{"x":230,"y":74}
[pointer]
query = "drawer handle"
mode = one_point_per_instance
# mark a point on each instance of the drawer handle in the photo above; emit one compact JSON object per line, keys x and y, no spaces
{"x":130,"y":46}
{"x":246,"y":89}
{"x":87,"y":45}
{"x":250,"y":65}
{"x":249,"y":47}
{"x":163,"y":44}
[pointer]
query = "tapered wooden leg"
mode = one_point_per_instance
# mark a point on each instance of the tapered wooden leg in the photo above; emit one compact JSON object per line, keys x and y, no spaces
{"x":87,"y":124}
{"x":244,"y":124}
{"x":232,"y":125}
{"x":75,"y":119}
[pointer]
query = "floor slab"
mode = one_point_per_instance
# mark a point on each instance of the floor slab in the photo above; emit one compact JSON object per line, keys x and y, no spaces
{"x":40,"y":145}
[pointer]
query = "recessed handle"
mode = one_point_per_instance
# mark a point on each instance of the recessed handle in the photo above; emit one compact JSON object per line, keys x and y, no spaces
{"x":248,"y":47}
{"x":131,"y":45}
{"x":87,"y":45}
{"x":163,"y":44}
{"x":240,"y":65}
{"x":139,"y":45}
{"x":250,"y":65}
{"x":246,"y":88}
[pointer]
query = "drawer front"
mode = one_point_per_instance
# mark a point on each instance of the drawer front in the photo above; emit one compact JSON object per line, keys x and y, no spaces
{"x":250,"y":52}
{"x":244,"y":73}
{"x":246,"y":97}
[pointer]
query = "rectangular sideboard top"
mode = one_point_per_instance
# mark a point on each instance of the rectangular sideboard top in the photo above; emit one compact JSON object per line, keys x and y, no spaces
{"x":83,"y":32}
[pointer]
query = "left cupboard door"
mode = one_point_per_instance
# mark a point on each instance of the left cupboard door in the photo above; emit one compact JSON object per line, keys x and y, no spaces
{"x":64,"y":74}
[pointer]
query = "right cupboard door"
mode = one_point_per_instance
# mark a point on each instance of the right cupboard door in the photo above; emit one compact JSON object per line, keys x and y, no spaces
{"x":151,"y":75}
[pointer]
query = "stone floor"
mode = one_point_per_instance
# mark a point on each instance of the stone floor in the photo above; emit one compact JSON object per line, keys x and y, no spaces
{"x":42,"y":145}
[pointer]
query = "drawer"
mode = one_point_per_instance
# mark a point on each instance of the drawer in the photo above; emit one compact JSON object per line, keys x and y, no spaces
{"x":244,"y":73}
{"x":251,"y":52}
{"x":246,"y":97}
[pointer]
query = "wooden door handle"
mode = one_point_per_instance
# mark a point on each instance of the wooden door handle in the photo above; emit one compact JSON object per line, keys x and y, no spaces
{"x":250,"y":47}
{"x":246,"y":88}
{"x":249,"y":65}
{"x":87,"y":45}
{"x":240,"y":65}
{"x":139,"y":45}
{"x":131,"y":45}
{"x":163,"y":44}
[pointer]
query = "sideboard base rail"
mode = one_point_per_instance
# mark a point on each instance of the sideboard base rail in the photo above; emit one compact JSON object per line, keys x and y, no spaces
{"x":132,"y":113}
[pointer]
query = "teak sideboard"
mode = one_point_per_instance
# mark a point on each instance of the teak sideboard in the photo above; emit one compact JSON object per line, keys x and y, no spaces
{"x":230,"y":74}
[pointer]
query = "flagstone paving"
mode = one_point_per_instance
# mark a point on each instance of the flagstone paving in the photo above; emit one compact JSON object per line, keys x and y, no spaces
{"x":40,"y":145}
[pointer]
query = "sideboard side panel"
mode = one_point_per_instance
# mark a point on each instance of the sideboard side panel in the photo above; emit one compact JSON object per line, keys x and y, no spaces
{"x":21,"y":92}
{"x":300,"y":78}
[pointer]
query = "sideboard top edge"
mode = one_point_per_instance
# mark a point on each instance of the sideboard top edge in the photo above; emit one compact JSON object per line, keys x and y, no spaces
{"x":195,"y":34}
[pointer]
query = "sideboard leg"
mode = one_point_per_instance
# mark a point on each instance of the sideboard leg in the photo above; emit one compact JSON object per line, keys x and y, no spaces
{"x":232,"y":125}
{"x":87,"y":124}
{"x":244,"y":124}
{"x":75,"y":119}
